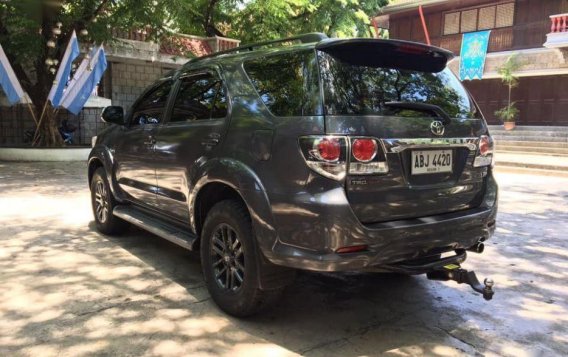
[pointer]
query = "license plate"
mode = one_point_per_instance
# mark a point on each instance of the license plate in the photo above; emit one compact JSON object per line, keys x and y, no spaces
{"x":431,"y":162}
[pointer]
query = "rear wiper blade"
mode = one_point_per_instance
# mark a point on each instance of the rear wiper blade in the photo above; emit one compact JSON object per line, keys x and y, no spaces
{"x":422,"y":107}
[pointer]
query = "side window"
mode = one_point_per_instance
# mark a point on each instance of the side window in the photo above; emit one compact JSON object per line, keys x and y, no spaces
{"x":150,"y":110}
{"x":287,"y":83}
{"x":200,"y":97}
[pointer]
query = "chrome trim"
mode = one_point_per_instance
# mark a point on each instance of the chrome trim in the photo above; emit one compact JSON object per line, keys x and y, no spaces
{"x":399,"y":145}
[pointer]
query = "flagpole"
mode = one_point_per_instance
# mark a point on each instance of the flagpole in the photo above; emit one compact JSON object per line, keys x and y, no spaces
{"x":32,"y":113}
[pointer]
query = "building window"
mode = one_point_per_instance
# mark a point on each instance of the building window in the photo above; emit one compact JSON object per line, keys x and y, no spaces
{"x":481,"y":18}
{"x":505,"y":14}
{"x":452,"y":23}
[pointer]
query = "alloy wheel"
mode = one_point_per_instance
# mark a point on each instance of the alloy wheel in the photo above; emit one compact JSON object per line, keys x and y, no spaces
{"x":227,"y":258}
{"x":101,"y":201}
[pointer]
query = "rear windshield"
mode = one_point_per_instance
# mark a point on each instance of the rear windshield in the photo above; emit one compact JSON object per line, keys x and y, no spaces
{"x":364,"y":90}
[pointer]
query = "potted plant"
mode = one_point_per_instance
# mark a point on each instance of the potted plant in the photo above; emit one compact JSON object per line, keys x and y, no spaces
{"x":507,"y":71}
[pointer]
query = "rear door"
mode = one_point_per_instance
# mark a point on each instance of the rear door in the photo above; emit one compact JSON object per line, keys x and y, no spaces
{"x":135,"y":151}
{"x":424,"y":122}
{"x":191,"y":135}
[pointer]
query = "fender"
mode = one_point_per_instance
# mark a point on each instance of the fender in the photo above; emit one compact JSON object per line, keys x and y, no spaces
{"x":104,"y":155}
{"x":243,"y":180}
{"x":247,"y":184}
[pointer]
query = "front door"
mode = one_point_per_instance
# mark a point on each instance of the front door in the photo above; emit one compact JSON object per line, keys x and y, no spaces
{"x":191,"y":136}
{"x":135,"y":169}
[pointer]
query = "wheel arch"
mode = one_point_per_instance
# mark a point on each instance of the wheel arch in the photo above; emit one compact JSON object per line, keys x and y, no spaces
{"x":94,"y":164}
{"x":256,"y":202}
{"x":210,"y":194}
{"x":100,"y":157}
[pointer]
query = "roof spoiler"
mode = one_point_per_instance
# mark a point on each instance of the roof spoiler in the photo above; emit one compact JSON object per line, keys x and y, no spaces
{"x":398,"y":54}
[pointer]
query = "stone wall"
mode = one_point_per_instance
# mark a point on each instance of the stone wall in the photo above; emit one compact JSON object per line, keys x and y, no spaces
{"x":130,"y":80}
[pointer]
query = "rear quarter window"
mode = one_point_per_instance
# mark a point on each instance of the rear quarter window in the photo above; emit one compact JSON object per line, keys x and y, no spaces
{"x":287,"y":83}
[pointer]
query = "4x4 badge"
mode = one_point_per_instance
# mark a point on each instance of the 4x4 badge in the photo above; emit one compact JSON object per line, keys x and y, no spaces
{"x":437,"y":128}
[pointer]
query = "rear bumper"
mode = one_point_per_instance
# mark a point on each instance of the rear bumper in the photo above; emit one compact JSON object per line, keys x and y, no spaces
{"x":312,"y":231}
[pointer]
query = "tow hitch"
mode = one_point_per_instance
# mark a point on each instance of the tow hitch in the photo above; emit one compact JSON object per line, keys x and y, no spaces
{"x":456,"y":273}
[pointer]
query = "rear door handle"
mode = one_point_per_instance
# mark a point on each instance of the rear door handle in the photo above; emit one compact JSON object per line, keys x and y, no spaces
{"x":151,"y":140}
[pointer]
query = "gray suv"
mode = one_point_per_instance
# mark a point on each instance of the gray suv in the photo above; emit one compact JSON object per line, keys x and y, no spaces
{"x":303,"y":153}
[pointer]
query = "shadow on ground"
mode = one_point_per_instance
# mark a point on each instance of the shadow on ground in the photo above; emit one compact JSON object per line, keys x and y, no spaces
{"x":67,"y":290}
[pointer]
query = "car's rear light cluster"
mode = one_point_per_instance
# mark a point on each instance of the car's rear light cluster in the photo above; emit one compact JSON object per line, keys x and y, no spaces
{"x":334,"y":156}
{"x":367,"y":157}
{"x":484,"y":155}
{"x":326,"y":155}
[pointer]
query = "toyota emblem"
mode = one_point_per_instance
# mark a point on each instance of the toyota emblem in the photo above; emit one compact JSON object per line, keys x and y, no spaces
{"x":437,"y":128}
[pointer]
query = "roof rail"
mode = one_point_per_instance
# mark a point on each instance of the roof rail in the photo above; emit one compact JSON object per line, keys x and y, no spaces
{"x":303,"y":38}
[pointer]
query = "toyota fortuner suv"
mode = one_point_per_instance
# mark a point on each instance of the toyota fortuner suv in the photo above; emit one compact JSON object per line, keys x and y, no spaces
{"x":304,"y":153}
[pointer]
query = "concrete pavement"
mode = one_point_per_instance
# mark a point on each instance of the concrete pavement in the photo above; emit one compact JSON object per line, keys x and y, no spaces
{"x":67,"y":290}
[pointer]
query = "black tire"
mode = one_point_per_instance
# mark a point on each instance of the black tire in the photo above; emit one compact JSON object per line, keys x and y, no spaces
{"x":236,"y":290}
{"x":103,"y":203}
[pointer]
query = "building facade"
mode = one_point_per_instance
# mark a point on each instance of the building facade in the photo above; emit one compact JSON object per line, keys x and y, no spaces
{"x":537,"y":30}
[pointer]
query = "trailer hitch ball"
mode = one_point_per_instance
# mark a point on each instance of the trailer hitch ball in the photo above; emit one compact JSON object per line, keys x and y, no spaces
{"x":462,"y":276}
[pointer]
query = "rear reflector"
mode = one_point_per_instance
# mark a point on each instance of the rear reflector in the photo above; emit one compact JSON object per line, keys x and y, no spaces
{"x":351,"y":249}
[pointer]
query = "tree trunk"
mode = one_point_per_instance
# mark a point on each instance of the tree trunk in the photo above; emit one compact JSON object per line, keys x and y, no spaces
{"x":47,"y":134}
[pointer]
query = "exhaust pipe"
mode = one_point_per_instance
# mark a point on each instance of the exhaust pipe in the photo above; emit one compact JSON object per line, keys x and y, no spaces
{"x":477,"y":248}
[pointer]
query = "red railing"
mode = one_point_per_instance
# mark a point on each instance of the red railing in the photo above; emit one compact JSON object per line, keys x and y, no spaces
{"x":224,"y":43}
{"x":559,"y":23}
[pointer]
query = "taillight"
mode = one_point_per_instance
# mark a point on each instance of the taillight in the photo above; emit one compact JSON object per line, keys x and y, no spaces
{"x":330,"y":155}
{"x":326,"y":155}
{"x":364,"y":150}
{"x":329,"y":149}
{"x":484,"y":155}
{"x":367,"y":157}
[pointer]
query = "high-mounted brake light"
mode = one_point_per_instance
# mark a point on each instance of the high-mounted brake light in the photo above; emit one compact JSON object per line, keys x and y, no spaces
{"x":485,"y":152}
{"x":410,"y":49}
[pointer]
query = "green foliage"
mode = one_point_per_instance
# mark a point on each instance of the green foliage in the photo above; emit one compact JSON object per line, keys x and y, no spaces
{"x":508,"y":69}
{"x":508,"y":113}
{"x":268,"y":19}
{"x":507,"y":73}
{"x":26,"y":25}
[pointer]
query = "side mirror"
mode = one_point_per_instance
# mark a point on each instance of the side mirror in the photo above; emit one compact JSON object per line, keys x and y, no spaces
{"x":113,"y":114}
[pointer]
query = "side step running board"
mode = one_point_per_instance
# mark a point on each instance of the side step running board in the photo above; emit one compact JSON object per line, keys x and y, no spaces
{"x":145,"y":221}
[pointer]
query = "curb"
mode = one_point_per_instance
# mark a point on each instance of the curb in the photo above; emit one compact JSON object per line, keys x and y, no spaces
{"x":44,"y":154}
{"x":529,"y":171}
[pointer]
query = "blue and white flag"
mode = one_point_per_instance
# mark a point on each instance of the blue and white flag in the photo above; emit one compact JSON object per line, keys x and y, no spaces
{"x":472,"y":55}
{"x":85,"y":63}
{"x":79,"y":92}
{"x":8,"y":80}
{"x":62,"y":77}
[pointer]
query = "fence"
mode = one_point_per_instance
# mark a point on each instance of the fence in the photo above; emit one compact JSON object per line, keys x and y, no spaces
{"x":17,"y":126}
